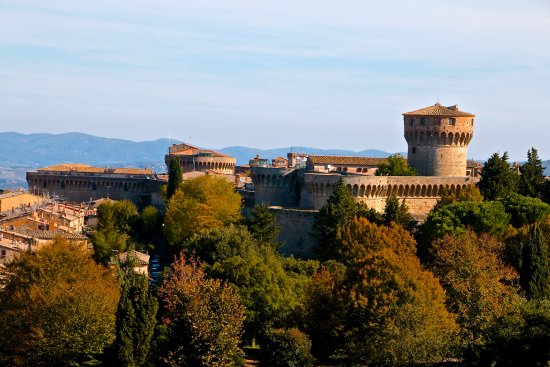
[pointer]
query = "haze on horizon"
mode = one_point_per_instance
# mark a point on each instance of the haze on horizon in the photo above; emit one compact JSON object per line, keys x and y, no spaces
{"x":269,"y":75}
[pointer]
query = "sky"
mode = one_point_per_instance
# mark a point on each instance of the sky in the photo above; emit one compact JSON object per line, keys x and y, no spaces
{"x":325,"y":74}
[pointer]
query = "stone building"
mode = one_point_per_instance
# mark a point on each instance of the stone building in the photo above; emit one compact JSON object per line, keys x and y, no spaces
{"x":193,"y":158}
{"x":17,"y":199}
{"x":437,"y":137}
{"x":82,"y":183}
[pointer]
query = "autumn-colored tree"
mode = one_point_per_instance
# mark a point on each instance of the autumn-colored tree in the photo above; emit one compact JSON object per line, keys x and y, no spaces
{"x":204,"y":317}
{"x":396,"y":166}
{"x":391,"y":311}
{"x":175,"y":177}
{"x":468,"y":193}
{"x":339,"y":209}
{"x":57,"y":308}
{"x":497,"y":177}
{"x":480,"y":286}
{"x":201,"y":203}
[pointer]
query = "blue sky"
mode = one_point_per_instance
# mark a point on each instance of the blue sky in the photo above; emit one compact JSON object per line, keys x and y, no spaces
{"x":280,"y":73}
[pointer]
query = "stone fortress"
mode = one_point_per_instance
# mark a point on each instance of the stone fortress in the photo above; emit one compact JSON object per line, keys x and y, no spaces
{"x":194,"y":159}
{"x":437,"y":138}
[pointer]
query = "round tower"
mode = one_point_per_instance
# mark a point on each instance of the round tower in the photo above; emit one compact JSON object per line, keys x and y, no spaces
{"x":438,"y":139}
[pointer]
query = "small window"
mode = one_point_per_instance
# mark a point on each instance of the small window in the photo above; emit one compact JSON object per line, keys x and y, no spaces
{"x":423,"y":121}
{"x":411,"y":122}
{"x":358,"y":169}
{"x":452,"y":121}
{"x":3,"y":253}
{"x":414,"y":150}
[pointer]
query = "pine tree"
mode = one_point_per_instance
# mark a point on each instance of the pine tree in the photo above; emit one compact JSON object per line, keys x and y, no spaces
{"x":175,"y":177}
{"x":535,"y":271}
{"x":263,"y":226}
{"x":135,"y":319}
{"x":395,"y":212}
{"x":497,"y":178}
{"x":532,"y":175}
{"x":339,"y":210}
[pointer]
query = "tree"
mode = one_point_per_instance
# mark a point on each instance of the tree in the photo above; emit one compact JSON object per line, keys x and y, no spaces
{"x":531,"y":180}
{"x":57,"y":308}
{"x":525,"y":210}
{"x":535,"y":267}
{"x":107,"y":238}
{"x":175,"y":177}
{"x":286,"y":348}
{"x":135,"y":319}
{"x":480,"y":286}
{"x":397,"y":213}
{"x":201,"y":203}
{"x":339,"y":209}
{"x":396,"y":166}
{"x":204,"y":317}
{"x":385,"y":309}
{"x":497,"y":177}
{"x":149,"y":222}
{"x":468,"y":193}
{"x":263,"y":226}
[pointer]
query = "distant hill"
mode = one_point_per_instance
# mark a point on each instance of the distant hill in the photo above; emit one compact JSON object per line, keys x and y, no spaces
{"x":546,"y":166}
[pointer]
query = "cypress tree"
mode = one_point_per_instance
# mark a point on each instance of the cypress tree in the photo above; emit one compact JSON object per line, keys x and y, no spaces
{"x":535,"y":271}
{"x":135,"y":319}
{"x":339,"y":210}
{"x":532,"y":175}
{"x":175,"y":177}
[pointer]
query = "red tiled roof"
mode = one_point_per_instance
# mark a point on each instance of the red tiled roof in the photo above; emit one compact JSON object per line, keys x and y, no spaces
{"x":358,"y":161}
{"x":187,"y":149}
{"x":439,"y":110}
{"x":77,"y":167}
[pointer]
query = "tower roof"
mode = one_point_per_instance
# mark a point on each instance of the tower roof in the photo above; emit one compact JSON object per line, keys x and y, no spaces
{"x":439,"y":110}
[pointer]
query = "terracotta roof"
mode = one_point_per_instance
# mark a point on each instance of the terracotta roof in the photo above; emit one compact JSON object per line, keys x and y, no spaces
{"x":358,"y":161}
{"x":53,"y":234}
{"x":76,"y":167}
{"x":439,"y":110}
{"x":140,"y":257}
{"x":187,"y":149}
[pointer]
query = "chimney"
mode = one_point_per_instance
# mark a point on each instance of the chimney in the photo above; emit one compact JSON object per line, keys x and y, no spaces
{"x":454,"y":108}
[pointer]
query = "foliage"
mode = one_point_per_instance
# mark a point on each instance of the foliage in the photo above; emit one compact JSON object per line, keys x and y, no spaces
{"x":204,"y":317}
{"x":339,"y":209}
{"x":468,"y":193}
{"x":384,"y":308}
{"x":107,"y":238}
{"x":201,"y":203}
{"x":531,"y":180}
{"x":175,"y":177}
{"x":525,"y":210}
{"x":263,"y":226}
{"x":454,"y":219}
{"x":480,"y":286}
{"x":497,"y":177}
{"x":57,"y":308}
{"x":269,"y":293}
{"x":535,"y":267}
{"x":369,"y":214}
{"x":397,"y":213}
{"x":521,"y":337}
{"x":396,"y":166}
{"x":135,"y":319}
{"x":149,"y":222}
{"x":286,"y":348}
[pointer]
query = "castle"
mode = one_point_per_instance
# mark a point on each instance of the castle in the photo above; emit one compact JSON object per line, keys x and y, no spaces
{"x":437,"y":138}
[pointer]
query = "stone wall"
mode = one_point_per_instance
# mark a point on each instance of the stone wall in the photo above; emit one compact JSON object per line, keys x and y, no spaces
{"x":296,"y":226}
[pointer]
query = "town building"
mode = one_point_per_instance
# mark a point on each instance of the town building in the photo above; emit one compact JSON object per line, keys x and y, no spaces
{"x":193,"y":158}
{"x":359,"y":165}
{"x":84,"y":183}
{"x":17,"y":199}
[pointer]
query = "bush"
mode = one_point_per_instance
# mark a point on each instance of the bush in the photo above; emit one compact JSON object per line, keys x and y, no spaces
{"x":285,"y":348}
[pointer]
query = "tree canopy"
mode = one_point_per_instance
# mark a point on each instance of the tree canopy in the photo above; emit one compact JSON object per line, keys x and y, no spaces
{"x":531,"y":180}
{"x":201,"y":203}
{"x":498,"y":179}
{"x":396,"y":166}
{"x":57,"y":308}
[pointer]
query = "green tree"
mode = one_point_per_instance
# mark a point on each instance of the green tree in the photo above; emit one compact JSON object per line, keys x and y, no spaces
{"x":107,"y":238}
{"x":57,"y":308}
{"x":175,"y":177}
{"x":531,"y":180}
{"x":535,"y":267}
{"x":204,"y":317}
{"x":263,"y":226}
{"x":150,"y":222}
{"x":497,"y":177}
{"x":201,"y":203}
{"x":397,"y":213}
{"x":396,"y":166}
{"x":135,"y":319}
{"x":478,"y":284}
{"x":468,"y":193}
{"x":286,"y":348}
{"x":525,"y":210}
{"x":339,"y":209}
